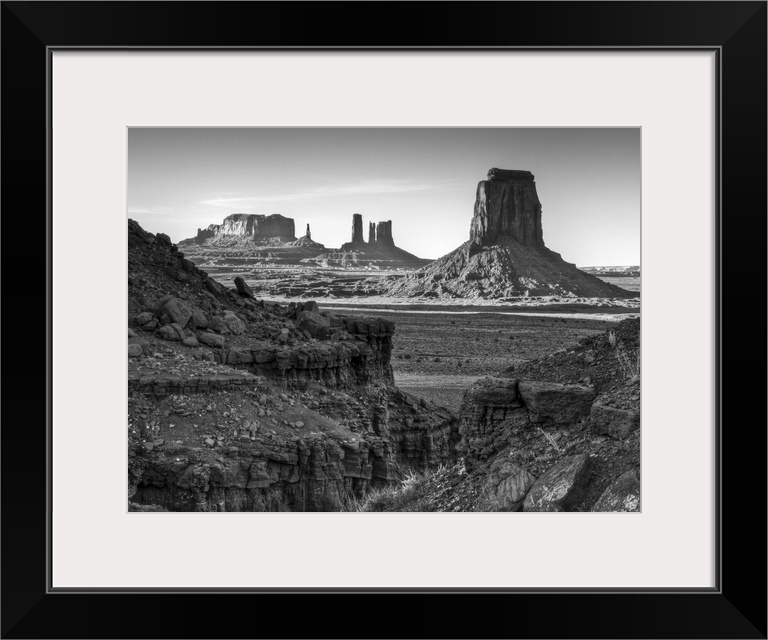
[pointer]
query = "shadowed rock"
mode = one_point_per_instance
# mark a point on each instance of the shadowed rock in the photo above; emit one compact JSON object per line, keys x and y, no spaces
{"x":622,"y":495}
{"x":242,"y":288}
{"x":357,"y":228}
{"x":616,"y":423}
{"x":507,"y":206}
{"x":560,"y":487}
{"x":556,"y":402}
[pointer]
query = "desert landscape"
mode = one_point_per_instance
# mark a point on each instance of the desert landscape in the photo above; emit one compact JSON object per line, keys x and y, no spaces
{"x":270,"y":373}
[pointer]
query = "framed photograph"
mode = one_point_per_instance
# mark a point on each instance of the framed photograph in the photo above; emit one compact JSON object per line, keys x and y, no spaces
{"x":433,"y":310}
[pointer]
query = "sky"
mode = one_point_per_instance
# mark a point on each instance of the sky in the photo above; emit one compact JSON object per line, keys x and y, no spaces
{"x":423,"y":179}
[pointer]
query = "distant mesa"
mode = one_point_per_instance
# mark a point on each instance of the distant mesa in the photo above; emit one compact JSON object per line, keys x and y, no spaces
{"x":257,"y":239}
{"x":505,"y":256}
{"x":254,"y":226}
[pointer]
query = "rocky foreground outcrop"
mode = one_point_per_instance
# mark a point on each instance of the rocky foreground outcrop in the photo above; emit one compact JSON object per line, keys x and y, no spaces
{"x":557,"y":434}
{"x":505,"y":256}
{"x":237,"y":404}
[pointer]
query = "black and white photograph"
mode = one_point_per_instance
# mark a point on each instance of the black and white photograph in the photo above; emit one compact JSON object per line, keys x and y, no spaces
{"x":384,"y":319}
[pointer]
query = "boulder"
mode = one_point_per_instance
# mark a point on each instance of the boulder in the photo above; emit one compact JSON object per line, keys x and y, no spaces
{"x":199,"y":319}
{"x":171,"y":332}
{"x":234,"y":324}
{"x":190,"y":342}
{"x":213,"y":287}
{"x":217,"y":324}
{"x":143,"y":318}
{"x":163,"y":240}
{"x":616,"y":423}
{"x":131,"y":333}
{"x":560,"y":487}
{"x":177,"y":310}
{"x":135,"y":350}
{"x":506,"y":486}
{"x":622,"y":495}
{"x":310,"y":305}
{"x":314,"y":324}
{"x":551,"y":401}
{"x":242,"y":288}
{"x":211,"y":339}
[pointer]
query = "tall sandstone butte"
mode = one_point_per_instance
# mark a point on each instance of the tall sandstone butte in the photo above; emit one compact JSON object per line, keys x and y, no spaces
{"x":505,"y":256}
{"x":357,"y":228}
{"x":507,"y":206}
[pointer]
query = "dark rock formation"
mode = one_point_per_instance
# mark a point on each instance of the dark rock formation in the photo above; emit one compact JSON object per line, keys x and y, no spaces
{"x":242,"y":288}
{"x":505,"y":256}
{"x":380,"y":250}
{"x":308,"y":235}
{"x":357,"y":229}
{"x":507,"y":206}
{"x":384,"y":233}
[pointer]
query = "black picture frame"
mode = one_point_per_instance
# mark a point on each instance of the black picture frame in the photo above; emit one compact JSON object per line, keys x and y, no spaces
{"x":736,"y":608}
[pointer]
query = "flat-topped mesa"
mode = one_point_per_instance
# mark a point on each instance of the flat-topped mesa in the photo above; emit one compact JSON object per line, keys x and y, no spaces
{"x":255,"y":226}
{"x":357,"y":228}
{"x":507,"y":206}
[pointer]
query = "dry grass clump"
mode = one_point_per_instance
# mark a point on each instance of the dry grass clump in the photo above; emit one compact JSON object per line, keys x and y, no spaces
{"x":628,"y":359}
{"x":409,"y":494}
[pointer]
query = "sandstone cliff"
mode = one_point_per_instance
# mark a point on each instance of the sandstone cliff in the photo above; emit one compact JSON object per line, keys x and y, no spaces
{"x":505,"y":256}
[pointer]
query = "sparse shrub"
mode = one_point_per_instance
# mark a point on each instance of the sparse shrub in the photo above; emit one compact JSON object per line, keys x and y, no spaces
{"x":409,"y":494}
{"x":629,"y":363}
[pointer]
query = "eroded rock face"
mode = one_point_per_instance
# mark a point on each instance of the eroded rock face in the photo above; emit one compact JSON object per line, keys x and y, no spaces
{"x":560,"y":487}
{"x":507,"y":206}
{"x":490,"y":412}
{"x":551,"y":401}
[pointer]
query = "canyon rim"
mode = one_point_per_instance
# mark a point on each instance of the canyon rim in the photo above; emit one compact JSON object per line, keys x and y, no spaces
{"x":425,"y":345}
